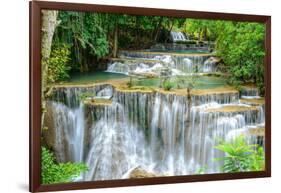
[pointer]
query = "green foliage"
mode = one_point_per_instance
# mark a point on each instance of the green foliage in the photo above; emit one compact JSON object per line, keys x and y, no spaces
{"x":58,"y":63}
{"x":186,"y":81}
{"x":241,"y":46}
{"x":94,"y":36}
{"x":132,"y":82}
{"x":201,"y":29}
{"x":84,"y":95}
{"x":87,"y":35}
{"x":53,"y":172}
{"x":201,"y":170}
{"x":167,"y":84}
{"x":240,"y":156}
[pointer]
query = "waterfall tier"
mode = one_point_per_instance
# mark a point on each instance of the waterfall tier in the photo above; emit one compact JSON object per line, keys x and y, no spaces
{"x":115,"y":131}
{"x":151,"y":62}
{"x":250,"y":92}
{"x":178,"y":36}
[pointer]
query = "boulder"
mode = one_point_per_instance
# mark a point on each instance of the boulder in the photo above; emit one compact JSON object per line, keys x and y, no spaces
{"x":141,"y":173}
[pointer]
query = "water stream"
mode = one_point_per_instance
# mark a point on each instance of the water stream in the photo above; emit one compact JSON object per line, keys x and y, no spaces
{"x":164,"y":133}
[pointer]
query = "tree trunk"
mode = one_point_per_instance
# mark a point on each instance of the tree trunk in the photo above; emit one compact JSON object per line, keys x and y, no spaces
{"x":115,"y":41}
{"x":49,"y":24}
{"x":205,"y":33}
{"x":157,"y":30}
{"x":171,"y":28}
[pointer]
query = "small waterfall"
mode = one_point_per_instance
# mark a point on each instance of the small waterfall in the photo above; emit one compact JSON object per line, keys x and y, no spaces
{"x":250,"y":93}
{"x":178,"y":36}
{"x":154,"y":129}
{"x":118,"y":67}
{"x":221,"y":98}
{"x":70,"y":96}
{"x":168,"y":134}
{"x":209,"y":65}
{"x":184,"y":63}
{"x":113,"y":148}
{"x":69,"y":138}
{"x":207,"y":127}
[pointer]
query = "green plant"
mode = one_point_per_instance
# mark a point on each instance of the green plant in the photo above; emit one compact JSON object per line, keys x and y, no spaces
{"x":132,"y":81}
{"x":186,"y":81}
{"x":167,"y":84}
{"x":53,"y":172}
{"x":84,"y":95}
{"x":201,"y":170}
{"x":58,"y":63}
{"x":240,"y":156}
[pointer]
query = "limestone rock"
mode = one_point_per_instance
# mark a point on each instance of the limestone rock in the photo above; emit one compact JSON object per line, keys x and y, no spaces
{"x":141,"y":173}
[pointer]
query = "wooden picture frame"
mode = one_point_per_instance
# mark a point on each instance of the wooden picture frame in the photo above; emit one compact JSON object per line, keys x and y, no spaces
{"x":35,"y":94}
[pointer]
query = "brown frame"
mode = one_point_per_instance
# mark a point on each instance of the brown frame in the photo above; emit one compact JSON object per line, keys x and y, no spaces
{"x":35,"y":8}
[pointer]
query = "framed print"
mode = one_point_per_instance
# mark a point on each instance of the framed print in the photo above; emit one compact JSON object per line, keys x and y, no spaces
{"x":123,"y":96}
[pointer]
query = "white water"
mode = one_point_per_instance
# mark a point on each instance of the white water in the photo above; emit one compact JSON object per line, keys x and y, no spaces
{"x":250,"y":93}
{"x":154,"y":131}
{"x":178,"y":36}
{"x":118,"y":67}
{"x":209,"y":65}
{"x":177,"y":64}
{"x":69,"y":124}
{"x":113,"y":148}
{"x":164,"y":133}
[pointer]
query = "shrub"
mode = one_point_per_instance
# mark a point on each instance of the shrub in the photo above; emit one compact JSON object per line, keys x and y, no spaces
{"x":167,"y":85}
{"x":58,"y":63}
{"x":53,"y":172}
{"x":131,"y":82}
{"x":241,"y":156}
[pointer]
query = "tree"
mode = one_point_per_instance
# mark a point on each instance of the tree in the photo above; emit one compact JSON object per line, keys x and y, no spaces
{"x":241,"y":46}
{"x":87,"y":35}
{"x":49,"y":24}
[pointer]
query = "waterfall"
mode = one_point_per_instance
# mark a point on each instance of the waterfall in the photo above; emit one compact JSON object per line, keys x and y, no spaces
{"x":113,"y":148}
{"x":209,"y":65}
{"x":136,"y":63}
{"x":118,"y":67}
{"x":221,"y":98}
{"x":70,"y":96}
{"x":250,"y":92}
{"x":162,"y":132}
{"x":209,"y":126}
{"x":69,"y":138}
{"x":178,"y":36}
{"x":168,"y":134}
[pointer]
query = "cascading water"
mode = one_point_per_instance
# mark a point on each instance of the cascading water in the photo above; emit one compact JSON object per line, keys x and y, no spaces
{"x":209,"y":65}
{"x":168,"y":133}
{"x":250,"y":92}
{"x":69,"y":138}
{"x":164,"y":133}
{"x":114,"y":145}
{"x":118,"y":67}
{"x":178,"y":63}
{"x":178,"y":36}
